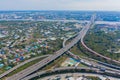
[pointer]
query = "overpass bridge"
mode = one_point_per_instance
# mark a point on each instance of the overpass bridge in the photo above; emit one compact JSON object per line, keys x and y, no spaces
{"x":26,"y":73}
{"x":91,"y":62}
{"x":23,"y":63}
{"x":49,"y":59}
{"x":73,"y":70}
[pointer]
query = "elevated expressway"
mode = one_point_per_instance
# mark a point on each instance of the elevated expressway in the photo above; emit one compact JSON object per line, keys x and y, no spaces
{"x":21,"y":64}
{"x":73,"y":70}
{"x":49,"y":59}
{"x":96,"y":53}
{"x":91,"y":62}
{"x":30,"y":70}
{"x":94,"y":70}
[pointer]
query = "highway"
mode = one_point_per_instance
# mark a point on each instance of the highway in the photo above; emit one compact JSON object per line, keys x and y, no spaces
{"x":19,"y":65}
{"x":49,"y":59}
{"x":41,"y":64}
{"x":91,"y":62}
{"x":96,"y":53}
{"x":71,"y":69}
{"x":76,"y":76}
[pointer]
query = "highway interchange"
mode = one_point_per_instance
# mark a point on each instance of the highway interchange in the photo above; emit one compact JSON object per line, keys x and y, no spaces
{"x":46,"y":61}
{"x":89,"y":61}
{"x":49,"y":59}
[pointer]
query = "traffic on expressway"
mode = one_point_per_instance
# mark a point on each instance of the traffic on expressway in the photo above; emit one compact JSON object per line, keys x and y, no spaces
{"x":47,"y":60}
{"x":30,"y":70}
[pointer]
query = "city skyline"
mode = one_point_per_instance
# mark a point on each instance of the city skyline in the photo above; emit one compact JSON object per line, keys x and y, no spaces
{"x":98,"y":5}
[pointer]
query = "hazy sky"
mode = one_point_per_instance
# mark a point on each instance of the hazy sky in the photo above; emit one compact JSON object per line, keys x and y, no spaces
{"x":60,"y":5}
